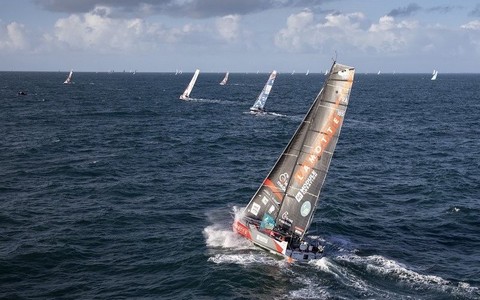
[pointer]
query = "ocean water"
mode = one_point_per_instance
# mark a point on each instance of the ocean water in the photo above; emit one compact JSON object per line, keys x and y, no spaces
{"x":113,"y":188}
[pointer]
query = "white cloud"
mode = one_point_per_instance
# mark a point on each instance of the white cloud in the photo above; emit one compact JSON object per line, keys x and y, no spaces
{"x":473,"y":25}
{"x":346,"y":32}
{"x":13,"y":37}
{"x":303,"y":33}
{"x":97,"y":30}
{"x":229,"y":28}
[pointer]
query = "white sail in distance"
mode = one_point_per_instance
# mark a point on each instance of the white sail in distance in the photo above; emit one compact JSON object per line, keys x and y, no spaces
{"x":188,"y":90}
{"x":69,"y":78}
{"x":225,"y":79}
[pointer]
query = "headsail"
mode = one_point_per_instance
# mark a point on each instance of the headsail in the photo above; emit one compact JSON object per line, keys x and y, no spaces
{"x":262,"y":98}
{"x":69,"y":78}
{"x":188,"y":90}
{"x":435,"y":73}
{"x":290,"y":193}
{"x":225,"y":79}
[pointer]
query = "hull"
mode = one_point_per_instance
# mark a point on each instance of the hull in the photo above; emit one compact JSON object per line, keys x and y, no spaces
{"x":277,"y":244}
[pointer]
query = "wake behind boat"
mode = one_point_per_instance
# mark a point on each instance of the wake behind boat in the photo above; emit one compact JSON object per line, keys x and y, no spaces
{"x":258,"y":106}
{"x":280,"y":213}
{"x":188,"y":90}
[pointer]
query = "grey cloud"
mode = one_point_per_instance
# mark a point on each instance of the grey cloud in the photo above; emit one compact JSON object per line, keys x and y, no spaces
{"x":404,"y":11}
{"x":443,"y":9}
{"x":193,"y":8}
{"x":476,"y":11}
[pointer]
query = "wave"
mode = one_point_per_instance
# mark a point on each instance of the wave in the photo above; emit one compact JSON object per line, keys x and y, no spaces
{"x":386,"y":268}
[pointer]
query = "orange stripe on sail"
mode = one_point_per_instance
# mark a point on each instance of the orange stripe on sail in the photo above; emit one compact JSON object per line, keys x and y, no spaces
{"x":268,"y":183}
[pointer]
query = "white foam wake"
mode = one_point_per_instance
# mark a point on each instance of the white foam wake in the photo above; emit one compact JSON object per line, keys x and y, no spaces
{"x":386,"y":267}
{"x":217,"y":236}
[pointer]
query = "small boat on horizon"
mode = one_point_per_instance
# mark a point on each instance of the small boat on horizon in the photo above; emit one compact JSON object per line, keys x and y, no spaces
{"x":188,"y":90}
{"x":225,"y":79}
{"x":69,"y":78}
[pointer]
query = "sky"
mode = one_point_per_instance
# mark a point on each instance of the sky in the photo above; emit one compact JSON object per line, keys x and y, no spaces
{"x":240,"y":35}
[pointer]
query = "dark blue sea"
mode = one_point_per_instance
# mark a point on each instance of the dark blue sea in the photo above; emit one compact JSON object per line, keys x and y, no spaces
{"x":113,"y":188}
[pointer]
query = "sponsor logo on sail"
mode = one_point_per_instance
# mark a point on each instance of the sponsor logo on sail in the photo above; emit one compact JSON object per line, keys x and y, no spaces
{"x":318,"y":147}
{"x":306,"y":208}
{"x":282,"y":181}
{"x":255,"y":209}
{"x":286,"y":218}
{"x":306,"y":186}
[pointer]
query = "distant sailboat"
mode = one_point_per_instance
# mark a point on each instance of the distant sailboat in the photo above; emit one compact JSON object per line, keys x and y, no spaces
{"x":434,"y":75}
{"x":69,"y":78}
{"x":225,"y":79}
{"x":188,"y":90}
{"x":378,"y":73}
{"x":326,"y":73}
{"x":279,"y":214}
{"x":262,"y":98}
{"x":308,"y":72}
{"x":293,"y":72}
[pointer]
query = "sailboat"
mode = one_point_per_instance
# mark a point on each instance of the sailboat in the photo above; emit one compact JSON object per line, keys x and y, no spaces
{"x":188,"y":90}
{"x":308,"y":72}
{"x":258,"y":106}
{"x":434,"y":75}
{"x":69,"y":78}
{"x":225,"y":79}
{"x":280,"y":213}
{"x":326,"y":72}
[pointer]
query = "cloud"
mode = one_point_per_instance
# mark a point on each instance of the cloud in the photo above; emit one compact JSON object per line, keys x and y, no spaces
{"x":473,"y":25}
{"x":404,"y":11}
{"x":443,"y":9}
{"x":345,"y":32}
{"x":98,"y":31}
{"x":13,"y":37}
{"x":229,"y":27}
{"x":178,"y":8}
{"x":476,"y":11}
